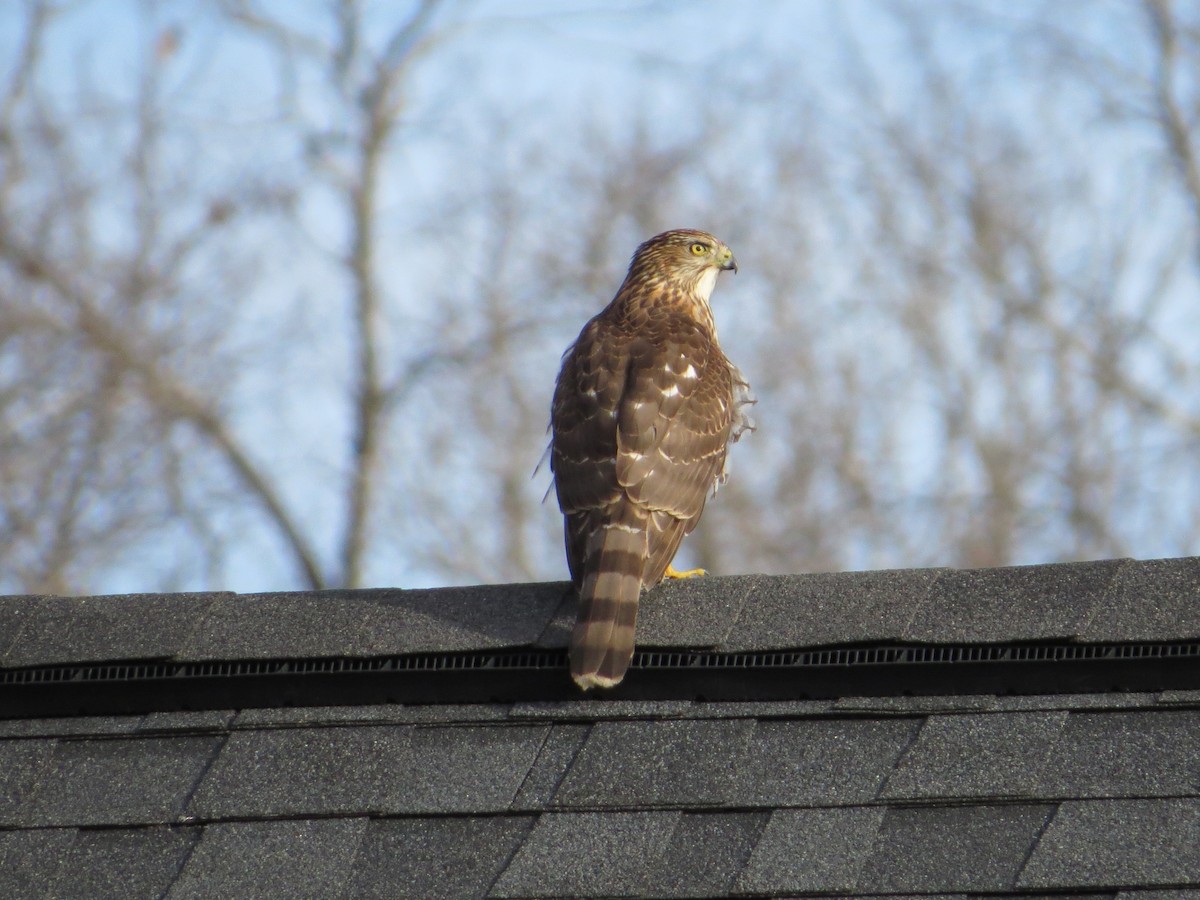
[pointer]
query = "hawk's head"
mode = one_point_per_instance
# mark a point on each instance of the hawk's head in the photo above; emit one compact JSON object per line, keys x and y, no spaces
{"x":689,"y":258}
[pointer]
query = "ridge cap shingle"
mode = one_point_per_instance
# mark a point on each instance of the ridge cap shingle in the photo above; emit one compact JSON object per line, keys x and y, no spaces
{"x":1115,"y":600}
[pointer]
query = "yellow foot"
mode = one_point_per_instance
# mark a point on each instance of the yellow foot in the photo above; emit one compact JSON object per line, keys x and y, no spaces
{"x":672,"y":572}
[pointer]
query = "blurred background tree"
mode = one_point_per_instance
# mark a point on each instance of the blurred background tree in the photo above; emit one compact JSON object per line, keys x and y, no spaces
{"x":283,"y":285}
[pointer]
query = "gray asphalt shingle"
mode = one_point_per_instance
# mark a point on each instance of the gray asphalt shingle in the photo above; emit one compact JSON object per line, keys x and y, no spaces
{"x":454,"y":858}
{"x":460,"y":770}
{"x":596,"y":710}
{"x":1157,"y":599}
{"x":588,"y":709}
{"x":199,"y":722}
{"x":1102,"y":600}
{"x":94,"y":629}
{"x":707,"y":853}
{"x":1178,"y":698}
{"x":370,"y":714}
{"x":811,"y":610}
{"x":15,"y":612}
{"x":694,"y":612}
{"x":989,"y":755}
{"x":554,"y":758}
{"x":759,"y":709}
{"x":952,"y":848}
{"x":318,"y":771}
{"x":673,"y":763}
{"x":21,"y":765}
{"x":821,"y":762}
{"x":90,"y":726}
{"x":557,"y":632}
{"x":119,"y":781}
{"x":1125,"y":754}
{"x":918,"y":705}
{"x":372,"y":622}
{"x":811,"y":850}
{"x":589,"y":855}
{"x":29,"y":860}
{"x":123,"y":862}
{"x":1089,"y":843}
{"x":293,"y":859}
{"x":1074,"y":701}
{"x":1012,"y":603}
{"x":382,"y":769}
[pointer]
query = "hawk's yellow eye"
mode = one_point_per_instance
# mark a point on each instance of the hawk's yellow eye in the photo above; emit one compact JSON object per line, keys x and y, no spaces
{"x":699,"y":249}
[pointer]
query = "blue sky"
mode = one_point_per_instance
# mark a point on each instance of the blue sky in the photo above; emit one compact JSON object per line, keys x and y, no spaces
{"x":541,"y":69}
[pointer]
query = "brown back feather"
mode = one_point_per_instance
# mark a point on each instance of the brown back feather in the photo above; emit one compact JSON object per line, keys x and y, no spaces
{"x":643,"y":412}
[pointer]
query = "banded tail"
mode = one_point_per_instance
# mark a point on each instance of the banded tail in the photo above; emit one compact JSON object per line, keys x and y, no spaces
{"x":602,"y":642}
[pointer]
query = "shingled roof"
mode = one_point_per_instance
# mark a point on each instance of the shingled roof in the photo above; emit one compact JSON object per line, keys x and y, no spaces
{"x":1031,"y":730}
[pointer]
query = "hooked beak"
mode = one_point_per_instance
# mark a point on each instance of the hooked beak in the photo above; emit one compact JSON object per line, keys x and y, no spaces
{"x":728,"y":261}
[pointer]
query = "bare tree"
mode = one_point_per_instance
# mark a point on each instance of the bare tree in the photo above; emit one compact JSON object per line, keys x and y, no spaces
{"x":965,"y":299}
{"x":368,"y":83}
{"x":114,"y":363}
{"x":127,"y":321}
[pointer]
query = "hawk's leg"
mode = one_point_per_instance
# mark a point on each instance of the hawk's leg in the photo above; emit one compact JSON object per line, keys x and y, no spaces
{"x":672,"y":572}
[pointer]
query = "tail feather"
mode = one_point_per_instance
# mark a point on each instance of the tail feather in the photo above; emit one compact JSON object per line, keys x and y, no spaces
{"x":602,"y":642}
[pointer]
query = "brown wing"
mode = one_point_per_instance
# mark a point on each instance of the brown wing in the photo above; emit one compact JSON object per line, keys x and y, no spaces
{"x":606,"y":533}
{"x":673,"y":431}
{"x":583,"y":415}
{"x":641,"y":418}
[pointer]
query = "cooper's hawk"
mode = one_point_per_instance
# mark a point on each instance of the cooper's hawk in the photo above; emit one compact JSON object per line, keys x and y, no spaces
{"x":644,"y":409}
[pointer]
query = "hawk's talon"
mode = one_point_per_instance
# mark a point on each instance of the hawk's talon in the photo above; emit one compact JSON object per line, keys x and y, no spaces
{"x":672,"y":572}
